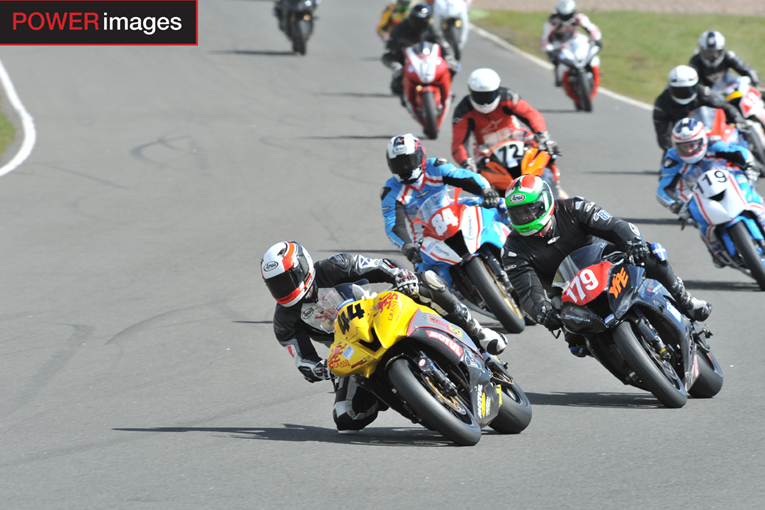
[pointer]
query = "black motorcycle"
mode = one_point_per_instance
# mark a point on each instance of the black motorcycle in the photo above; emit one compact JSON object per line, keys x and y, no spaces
{"x":632,"y":326}
{"x":296,"y":21}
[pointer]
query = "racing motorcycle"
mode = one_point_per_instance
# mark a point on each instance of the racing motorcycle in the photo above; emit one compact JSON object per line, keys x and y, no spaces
{"x":740,"y":93}
{"x":503,"y":162}
{"x":581,"y":77}
{"x":452,"y":17}
{"x":632,"y":326}
{"x":296,"y":21}
{"x":422,"y":366}
{"x":462,"y":242}
{"x":427,"y":86}
{"x":722,"y":199}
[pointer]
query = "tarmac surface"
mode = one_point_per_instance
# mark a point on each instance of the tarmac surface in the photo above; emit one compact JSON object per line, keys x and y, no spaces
{"x":137,"y":357}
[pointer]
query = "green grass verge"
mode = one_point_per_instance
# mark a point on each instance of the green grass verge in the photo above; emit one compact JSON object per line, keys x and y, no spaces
{"x":7,"y":132}
{"x":639,"y":49}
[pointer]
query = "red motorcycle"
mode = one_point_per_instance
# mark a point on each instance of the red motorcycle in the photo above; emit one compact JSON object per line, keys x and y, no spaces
{"x":427,"y":85}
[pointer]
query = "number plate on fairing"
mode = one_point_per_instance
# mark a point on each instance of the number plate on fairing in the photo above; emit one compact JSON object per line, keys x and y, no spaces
{"x":588,"y":284}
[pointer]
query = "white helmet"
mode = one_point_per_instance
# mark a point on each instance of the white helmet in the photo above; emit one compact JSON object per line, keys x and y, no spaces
{"x":689,"y":137}
{"x":565,"y":9}
{"x":288,"y":270}
{"x":682,"y":84}
{"x":712,"y":48}
{"x":483,"y":85}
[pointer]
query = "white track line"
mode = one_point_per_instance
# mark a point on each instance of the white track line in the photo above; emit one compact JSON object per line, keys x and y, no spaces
{"x":27,"y":123}
{"x":547,"y":65}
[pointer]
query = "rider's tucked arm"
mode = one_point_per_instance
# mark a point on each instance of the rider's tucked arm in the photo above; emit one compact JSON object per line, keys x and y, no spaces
{"x":735,"y":154}
{"x":662,"y":123}
{"x":298,"y":344}
{"x":741,"y":67}
{"x":527,"y":114}
{"x":524,"y":279}
{"x":547,"y":31}
{"x":670,"y":173}
{"x":395,"y":218}
{"x":461,"y":178}
{"x":393,"y":52}
{"x":461,"y":129}
{"x":347,"y":268}
{"x":382,"y":27}
{"x":596,"y":221}
{"x":584,"y":21}
{"x":707,"y":97}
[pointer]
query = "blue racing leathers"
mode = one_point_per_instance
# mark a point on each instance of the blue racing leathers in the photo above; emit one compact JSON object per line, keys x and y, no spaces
{"x":400,"y":202}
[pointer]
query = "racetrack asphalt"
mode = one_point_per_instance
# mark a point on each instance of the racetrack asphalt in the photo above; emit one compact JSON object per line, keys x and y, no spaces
{"x":137,"y":359}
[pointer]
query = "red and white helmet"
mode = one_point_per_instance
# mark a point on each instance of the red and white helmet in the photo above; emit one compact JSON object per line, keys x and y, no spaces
{"x":689,"y":138}
{"x":287,"y":268}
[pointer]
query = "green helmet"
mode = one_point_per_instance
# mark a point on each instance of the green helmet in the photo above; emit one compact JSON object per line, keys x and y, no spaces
{"x":530,"y":204}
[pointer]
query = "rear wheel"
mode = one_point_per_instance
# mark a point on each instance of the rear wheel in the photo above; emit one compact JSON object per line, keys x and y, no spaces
{"x":430,"y":115}
{"x":753,"y":259}
{"x":514,"y":413}
{"x":447,"y":414}
{"x":710,"y":379}
{"x":584,"y":91}
{"x":453,"y":37}
{"x":656,"y":374}
{"x":499,"y":302}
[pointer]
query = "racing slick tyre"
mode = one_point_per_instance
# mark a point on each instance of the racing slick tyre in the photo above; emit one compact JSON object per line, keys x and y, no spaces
{"x":753,"y":259}
{"x":755,"y":142}
{"x":710,"y":379}
{"x":430,"y":115}
{"x":584,"y":90}
{"x":656,"y":374}
{"x":503,"y":305}
{"x":514,"y":413}
{"x":453,"y":37}
{"x":448,"y":415}
{"x":300,"y":31}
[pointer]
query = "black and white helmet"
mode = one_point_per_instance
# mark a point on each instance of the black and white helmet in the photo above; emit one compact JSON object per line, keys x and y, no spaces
{"x":712,"y":48}
{"x":682,"y":82}
{"x":406,"y":158}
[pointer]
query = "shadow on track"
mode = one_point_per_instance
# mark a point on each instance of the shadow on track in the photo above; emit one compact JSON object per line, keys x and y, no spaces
{"x":654,"y":221}
{"x":356,"y":94}
{"x":361,"y":250}
{"x":613,"y":400}
{"x":541,"y":110}
{"x":348,"y":137}
{"x":713,"y":285}
{"x":373,"y":436}
{"x":256,"y":52}
{"x":654,"y":173}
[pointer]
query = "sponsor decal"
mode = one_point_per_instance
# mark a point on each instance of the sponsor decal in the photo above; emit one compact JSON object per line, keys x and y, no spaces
{"x":438,"y":320}
{"x":364,"y":262}
{"x":659,"y":251}
{"x":618,"y":282}
{"x":673,"y":311}
{"x":270,"y":266}
{"x":589,"y":206}
{"x":422,"y":362}
{"x":603,"y":215}
{"x":306,"y":314}
{"x":359,"y":363}
{"x":634,"y":230}
{"x":348,"y":353}
{"x":451,"y":344}
{"x":457,"y":331}
{"x":516,"y":198}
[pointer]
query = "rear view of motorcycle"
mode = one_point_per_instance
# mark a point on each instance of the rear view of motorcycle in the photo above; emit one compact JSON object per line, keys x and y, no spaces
{"x":452,"y":17}
{"x":296,"y":21}
{"x":633,"y":328}
{"x":581,"y":78}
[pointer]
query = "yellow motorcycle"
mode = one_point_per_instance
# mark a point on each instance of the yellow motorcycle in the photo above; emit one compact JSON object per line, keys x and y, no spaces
{"x":425,"y":368}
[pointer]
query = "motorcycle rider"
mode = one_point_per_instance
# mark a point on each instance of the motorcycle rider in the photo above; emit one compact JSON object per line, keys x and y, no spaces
{"x":281,"y":13}
{"x":419,"y":27}
{"x":546,"y":231}
{"x":415,"y":179}
{"x":491,"y":113}
{"x":711,"y":61}
{"x":305,"y":311}
{"x":559,"y":28}
{"x":393,"y":14}
{"x":691,"y":156}
{"x":683,"y":95}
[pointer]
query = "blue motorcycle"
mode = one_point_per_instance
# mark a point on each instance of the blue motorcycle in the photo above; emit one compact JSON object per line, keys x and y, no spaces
{"x":462,"y":242}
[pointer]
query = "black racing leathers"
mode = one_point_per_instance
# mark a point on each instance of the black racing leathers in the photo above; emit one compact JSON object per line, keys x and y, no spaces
{"x":666,"y":112}
{"x":403,"y":35}
{"x":708,"y":75}
{"x":531,"y":261}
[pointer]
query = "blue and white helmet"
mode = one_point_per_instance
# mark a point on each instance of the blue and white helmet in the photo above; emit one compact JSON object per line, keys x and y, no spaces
{"x":689,"y":137}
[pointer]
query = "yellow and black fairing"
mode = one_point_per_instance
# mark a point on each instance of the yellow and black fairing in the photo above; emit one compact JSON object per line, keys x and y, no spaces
{"x":370,"y":333}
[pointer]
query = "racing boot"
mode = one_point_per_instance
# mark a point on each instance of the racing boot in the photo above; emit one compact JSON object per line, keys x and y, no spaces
{"x":487,"y":339}
{"x":695,"y":309}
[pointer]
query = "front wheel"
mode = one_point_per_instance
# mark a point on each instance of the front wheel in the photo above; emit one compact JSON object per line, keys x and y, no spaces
{"x":448,"y":415}
{"x":514,"y":413}
{"x":755,"y":142}
{"x":300,"y":31}
{"x":753,"y":259}
{"x":656,"y":374}
{"x":584,"y":91}
{"x":429,"y":114}
{"x":499,"y":302}
{"x":710,"y":379}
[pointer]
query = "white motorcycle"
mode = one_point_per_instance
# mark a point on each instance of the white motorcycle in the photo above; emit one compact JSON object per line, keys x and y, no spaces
{"x":452,"y":17}
{"x":580,"y":66}
{"x":740,"y":93}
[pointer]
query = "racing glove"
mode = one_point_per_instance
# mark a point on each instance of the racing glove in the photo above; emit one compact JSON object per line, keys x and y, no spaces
{"x":676,"y":206}
{"x":319,"y":372}
{"x":752,"y":175}
{"x":742,"y":126}
{"x":598,"y":43}
{"x":543,"y":139}
{"x":469,"y":164}
{"x":490,"y":198}
{"x":638,"y":251}
{"x":407,"y":283}
{"x":412,"y":252}
{"x":546,"y":315}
